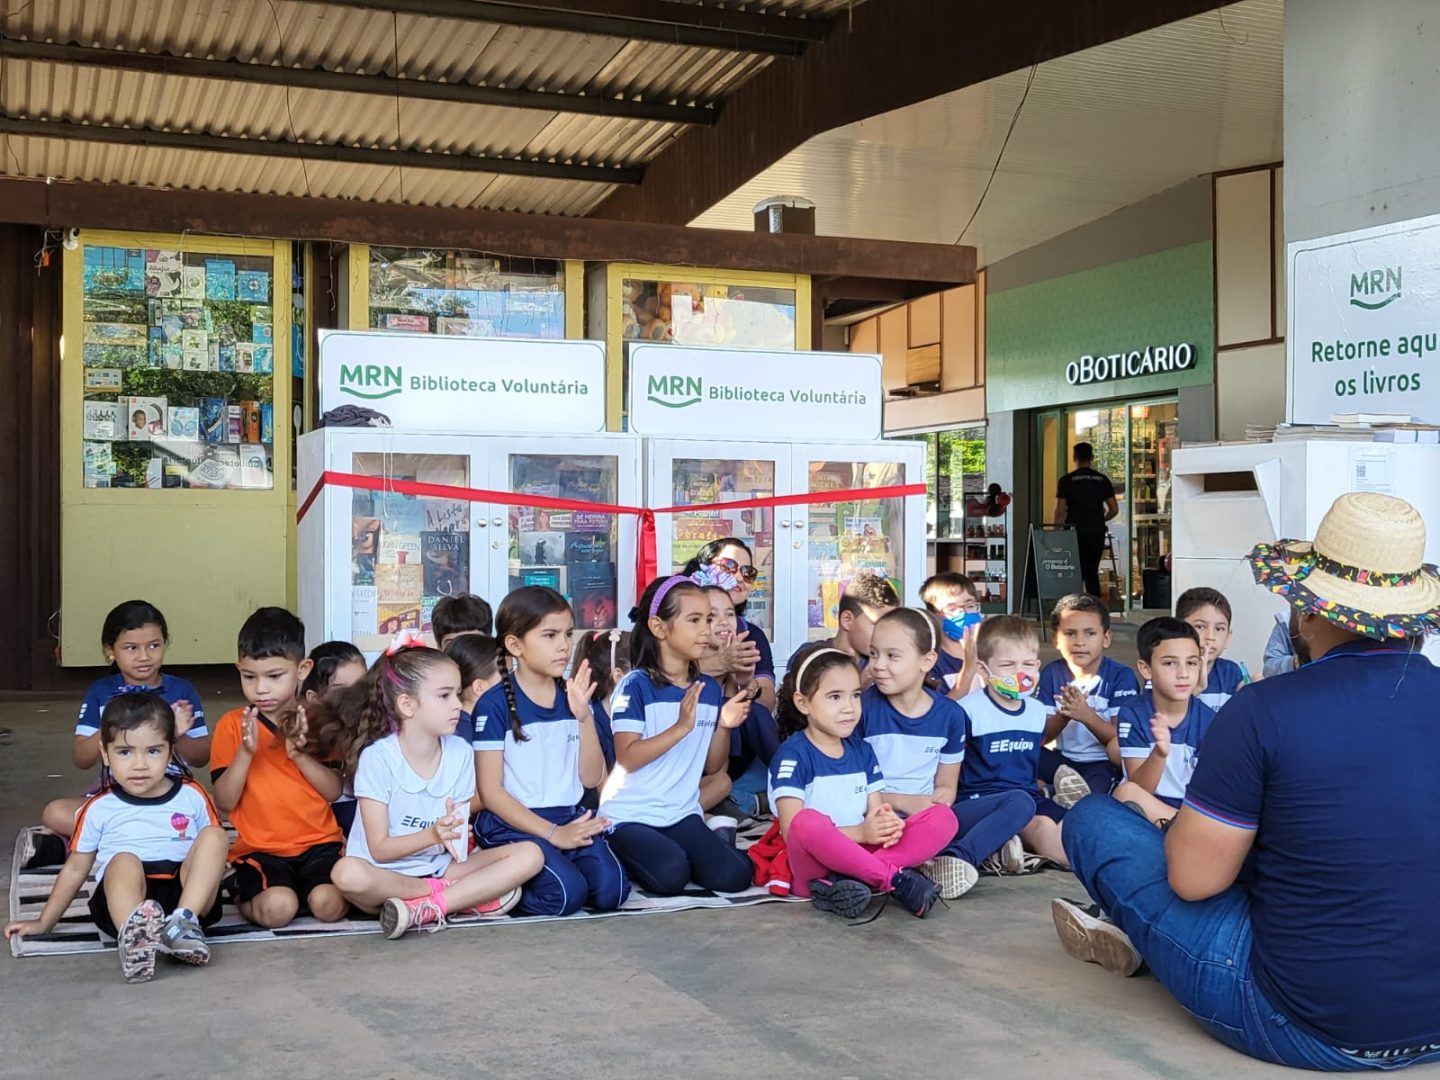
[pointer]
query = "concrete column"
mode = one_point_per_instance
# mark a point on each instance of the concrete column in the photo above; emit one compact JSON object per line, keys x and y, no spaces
{"x":1361,"y":82}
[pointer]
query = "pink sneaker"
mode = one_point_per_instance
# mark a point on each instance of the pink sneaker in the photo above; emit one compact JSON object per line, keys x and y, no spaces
{"x":501,"y":905}
{"x":422,"y":913}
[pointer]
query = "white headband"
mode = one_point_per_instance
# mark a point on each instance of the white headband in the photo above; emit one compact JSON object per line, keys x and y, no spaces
{"x":800,"y":671}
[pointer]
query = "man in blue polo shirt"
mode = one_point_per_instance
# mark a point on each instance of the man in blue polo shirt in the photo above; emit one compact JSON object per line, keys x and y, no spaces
{"x":1290,"y":905}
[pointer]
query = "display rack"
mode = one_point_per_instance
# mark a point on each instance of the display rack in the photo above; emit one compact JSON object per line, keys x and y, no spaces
{"x":1152,"y":441}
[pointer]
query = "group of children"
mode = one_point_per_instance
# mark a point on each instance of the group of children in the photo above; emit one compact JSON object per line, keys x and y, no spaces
{"x":516,"y":769}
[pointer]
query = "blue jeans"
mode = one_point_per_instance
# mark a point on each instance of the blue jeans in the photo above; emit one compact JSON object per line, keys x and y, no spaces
{"x":746,"y":788}
{"x":1199,"y":951}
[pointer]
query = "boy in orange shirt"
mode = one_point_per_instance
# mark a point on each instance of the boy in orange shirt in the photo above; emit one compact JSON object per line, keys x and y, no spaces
{"x":277,"y":796}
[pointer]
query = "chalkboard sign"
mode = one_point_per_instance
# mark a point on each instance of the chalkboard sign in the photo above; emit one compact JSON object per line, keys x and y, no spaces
{"x":1052,"y":568}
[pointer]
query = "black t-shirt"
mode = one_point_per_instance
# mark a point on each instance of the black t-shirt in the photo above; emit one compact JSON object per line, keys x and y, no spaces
{"x":1085,"y":492}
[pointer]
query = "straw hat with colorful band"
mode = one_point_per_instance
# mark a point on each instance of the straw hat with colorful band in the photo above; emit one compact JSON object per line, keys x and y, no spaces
{"x":1365,"y":571}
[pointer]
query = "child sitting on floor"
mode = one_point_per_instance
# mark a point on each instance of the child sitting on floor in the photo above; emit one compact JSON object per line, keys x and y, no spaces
{"x":1208,"y":613}
{"x":153,"y":839}
{"x":738,"y":790}
{"x":953,"y":599}
{"x":1161,"y":732}
{"x":464,"y":613}
{"x":335,"y":664}
{"x":1087,"y":688}
{"x":1005,"y":727}
{"x":844,"y":841}
{"x":866,"y":600}
{"x":918,"y":736}
{"x":408,"y":856}
{"x":671,"y":725}
{"x":277,"y":794}
{"x":536,"y":750}
{"x":134,"y":637}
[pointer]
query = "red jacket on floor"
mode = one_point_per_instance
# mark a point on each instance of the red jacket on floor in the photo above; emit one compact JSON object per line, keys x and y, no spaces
{"x":772,"y":863}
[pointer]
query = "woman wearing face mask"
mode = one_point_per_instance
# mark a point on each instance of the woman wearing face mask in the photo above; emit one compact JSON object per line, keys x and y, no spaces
{"x":918,"y":736}
{"x":1005,"y":727}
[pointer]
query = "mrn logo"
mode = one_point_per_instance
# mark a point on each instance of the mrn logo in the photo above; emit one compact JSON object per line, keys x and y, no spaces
{"x":371,"y":381}
{"x":1374,"y":289}
{"x":673,"y":391}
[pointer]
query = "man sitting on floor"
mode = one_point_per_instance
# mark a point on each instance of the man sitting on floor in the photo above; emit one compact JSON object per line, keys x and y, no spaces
{"x":1290,"y":905}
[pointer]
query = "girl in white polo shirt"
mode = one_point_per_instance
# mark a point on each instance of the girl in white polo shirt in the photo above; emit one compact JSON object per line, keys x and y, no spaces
{"x":408,"y":853}
{"x":669,"y":722}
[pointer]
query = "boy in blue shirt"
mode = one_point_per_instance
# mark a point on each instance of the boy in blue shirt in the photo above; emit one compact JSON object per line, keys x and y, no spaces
{"x":1208,"y":613}
{"x":952,"y":598}
{"x":867,"y":599}
{"x":1161,"y":732}
{"x":1085,"y":688}
{"x":1005,"y":727}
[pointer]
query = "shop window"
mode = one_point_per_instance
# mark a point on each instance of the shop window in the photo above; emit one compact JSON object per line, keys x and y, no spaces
{"x":179,"y":362}
{"x":954,"y":474}
{"x":681,"y":313}
{"x":466,"y":294}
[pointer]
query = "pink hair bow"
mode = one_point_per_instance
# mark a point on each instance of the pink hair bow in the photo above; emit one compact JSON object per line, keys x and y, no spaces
{"x":406,"y":639}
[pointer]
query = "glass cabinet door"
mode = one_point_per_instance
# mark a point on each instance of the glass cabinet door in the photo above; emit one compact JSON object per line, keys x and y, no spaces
{"x":406,"y":551}
{"x":707,"y":484}
{"x":575,"y":552}
{"x":848,"y":537}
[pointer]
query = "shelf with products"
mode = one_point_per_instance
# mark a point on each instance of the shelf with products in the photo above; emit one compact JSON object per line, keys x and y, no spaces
{"x":178,"y":357}
{"x":175,"y":422}
{"x":461,"y":293}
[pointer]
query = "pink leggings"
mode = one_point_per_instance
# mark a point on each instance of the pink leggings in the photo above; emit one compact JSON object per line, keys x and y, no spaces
{"x":818,"y":849}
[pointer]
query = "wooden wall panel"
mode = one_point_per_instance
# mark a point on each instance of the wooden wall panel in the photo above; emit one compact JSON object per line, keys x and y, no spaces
{"x":894,"y":345}
{"x":957,"y":364}
{"x":925,"y":321}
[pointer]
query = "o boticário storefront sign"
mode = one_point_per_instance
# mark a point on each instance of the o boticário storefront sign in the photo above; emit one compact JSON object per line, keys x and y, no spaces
{"x":427,"y":384}
{"x":1365,"y":323}
{"x":721,"y":393}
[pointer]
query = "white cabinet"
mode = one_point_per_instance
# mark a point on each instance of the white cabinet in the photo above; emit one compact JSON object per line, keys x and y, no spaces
{"x":376,"y":552}
{"x":806,"y":552}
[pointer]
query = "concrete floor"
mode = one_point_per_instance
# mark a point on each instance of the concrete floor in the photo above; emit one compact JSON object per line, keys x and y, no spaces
{"x":773,"y":991}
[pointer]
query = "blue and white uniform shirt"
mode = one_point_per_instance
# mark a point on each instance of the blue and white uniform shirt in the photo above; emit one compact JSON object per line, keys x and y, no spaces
{"x":543,"y":771}
{"x":1002,"y":744}
{"x":839,"y":788}
{"x":911,"y":748}
{"x":1106,"y":691}
{"x":1226,"y":679}
{"x":668,"y":789}
{"x":1137,"y":741}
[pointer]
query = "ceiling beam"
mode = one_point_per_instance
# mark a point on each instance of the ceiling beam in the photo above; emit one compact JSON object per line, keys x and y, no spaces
{"x":663,"y":21}
{"x":887,"y":55}
{"x":62,"y":204}
{"x":345,"y":153}
{"x":347,"y":82}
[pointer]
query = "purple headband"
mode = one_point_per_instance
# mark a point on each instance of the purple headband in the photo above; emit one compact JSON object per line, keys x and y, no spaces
{"x":669,"y":584}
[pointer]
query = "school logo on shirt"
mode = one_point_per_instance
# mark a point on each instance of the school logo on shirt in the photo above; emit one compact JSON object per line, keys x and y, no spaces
{"x":1011,"y":746}
{"x":1115,"y":694}
{"x":410,"y":821}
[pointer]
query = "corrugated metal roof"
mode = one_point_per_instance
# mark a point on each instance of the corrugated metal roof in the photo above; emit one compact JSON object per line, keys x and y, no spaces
{"x":1100,"y":130}
{"x":339,"y":38}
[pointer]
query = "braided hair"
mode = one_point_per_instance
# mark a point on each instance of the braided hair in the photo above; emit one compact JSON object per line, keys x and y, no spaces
{"x":521,"y":612}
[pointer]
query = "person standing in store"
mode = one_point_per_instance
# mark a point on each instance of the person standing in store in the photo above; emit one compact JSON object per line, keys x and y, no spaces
{"x":1085,"y":499}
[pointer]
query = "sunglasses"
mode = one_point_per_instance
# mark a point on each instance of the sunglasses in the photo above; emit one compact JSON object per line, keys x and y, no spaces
{"x":730,"y":566}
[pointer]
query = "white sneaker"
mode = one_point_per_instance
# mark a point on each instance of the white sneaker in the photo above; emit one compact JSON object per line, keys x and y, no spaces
{"x":1086,"y":933}
{"x":955,"y":876}
{"x":1069,"y":787}
{"x":1009,"y":860}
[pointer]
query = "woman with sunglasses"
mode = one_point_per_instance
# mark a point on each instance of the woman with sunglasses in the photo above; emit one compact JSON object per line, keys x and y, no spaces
{"x":750,"y":655}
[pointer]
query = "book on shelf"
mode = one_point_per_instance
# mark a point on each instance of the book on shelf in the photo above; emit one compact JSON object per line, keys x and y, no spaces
{"x":1370,"y":419}
{"x":446,"y":558}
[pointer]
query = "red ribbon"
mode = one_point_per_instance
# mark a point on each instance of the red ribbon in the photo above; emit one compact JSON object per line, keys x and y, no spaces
{"x":647,"y":559}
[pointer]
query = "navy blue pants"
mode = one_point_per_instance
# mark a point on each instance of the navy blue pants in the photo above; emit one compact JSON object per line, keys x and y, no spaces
{"x":1100,"y":775}
{"x":663,"y":860}
{"x":987,"y":822}
{"x":583,"y":877}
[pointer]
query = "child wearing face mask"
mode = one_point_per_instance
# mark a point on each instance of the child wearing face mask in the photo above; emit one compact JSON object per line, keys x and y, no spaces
{"x":1005,"y":727}
{"x":918,"y":736}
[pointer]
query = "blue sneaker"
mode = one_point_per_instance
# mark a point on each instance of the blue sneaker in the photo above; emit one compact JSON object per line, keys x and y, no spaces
{"x":845,"y":897}
{"x":914,"y":892}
